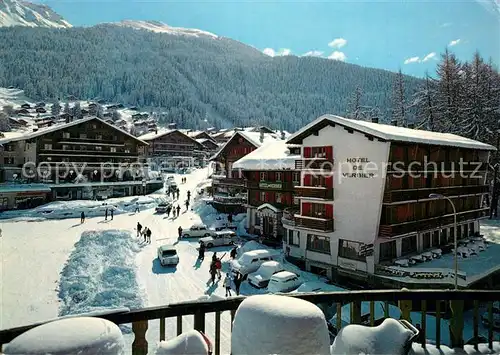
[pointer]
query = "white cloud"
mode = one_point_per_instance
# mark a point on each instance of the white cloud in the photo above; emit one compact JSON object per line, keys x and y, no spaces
{"x":337,"y":43}
{"x":272,"y":53}
{"x":446,"y":24}
{"x":412,"y":60}
{"x":338,"y":56}
{"x":313,"y":54}
{"x":454,"y":43}
{"x":429,"y":56}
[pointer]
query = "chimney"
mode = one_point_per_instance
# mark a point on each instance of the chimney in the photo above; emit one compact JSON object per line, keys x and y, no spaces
{"x":375,"y":119}
{"x":411,"y":125}
{"x":156,"y":131}
{"x":35,"y":129}
{"x":261,"y":138}
{"x":394,"y":122}
{"x":282,"y":135}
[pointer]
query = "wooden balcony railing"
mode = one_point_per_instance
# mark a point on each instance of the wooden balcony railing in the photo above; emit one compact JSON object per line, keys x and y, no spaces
{"x":431,"y":223}
{"x":219,"y":180}
{"x":320,"y":224}
{"x":441,"y":303}
{"x":314,"y":192}
{"x":417,"y":166}
{"x":422,"y":194}
{"x":230,"y":200}
{"x":314,"y":164}
{"x":270,"y":185}
{"x":288,"y":215}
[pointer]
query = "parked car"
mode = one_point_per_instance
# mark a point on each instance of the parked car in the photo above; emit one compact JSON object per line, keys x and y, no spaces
{"x":226,"y":237}
{"x":196,"y":231}
{"x":224,"y":226}
{"x":162,"y":207}
{"x":261,"y":277}
{"x":167,"y":254}
{"x":317,"y":286}
{"x":284,"y":281}
{"x":252,"y":260}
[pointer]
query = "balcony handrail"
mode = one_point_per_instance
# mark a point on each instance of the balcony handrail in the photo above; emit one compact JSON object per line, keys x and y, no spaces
{"x":436,"y":218}
{"x":342,"y":297}
{"x":436,"y":188}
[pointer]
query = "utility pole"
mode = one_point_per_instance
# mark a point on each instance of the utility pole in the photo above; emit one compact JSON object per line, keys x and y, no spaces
{"x":494,"y":197}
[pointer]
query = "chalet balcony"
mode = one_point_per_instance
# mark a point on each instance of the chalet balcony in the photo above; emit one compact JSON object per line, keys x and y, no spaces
{"x":314,"y":164}
{"x":256,"y":203}
{"x":314,"y":192}
{"x":230,"y":200}
{"x":417,"y":166}
{"x":430,"y":223}
{"x":423,"y":194}
{"x":447,"y":306}
{"x":223,"y":180}
{"x":320,"y":224}
{"x":270,"y":185}
{"x":288,"y":215}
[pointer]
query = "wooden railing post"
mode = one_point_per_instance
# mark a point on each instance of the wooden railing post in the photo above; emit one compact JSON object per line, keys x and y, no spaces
{"x":356,"y":312}
{"x":457,"y":323}
{"x":140,"y":344}
{"x":199,"y":321}
{"x":405,"y":307}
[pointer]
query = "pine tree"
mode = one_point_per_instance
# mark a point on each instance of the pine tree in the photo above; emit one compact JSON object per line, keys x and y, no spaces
{"x":100,"y":111}
{"x":77,"y":111}
{"x":424,"y":105}
{"x":4,"y":122}
{"x":8,"y":110}
{"x":354,"y":105}
{"x":67,"y":108}
{"x":398,"y":100}
{"x":115,"y":115}
{"x":55,"y":109}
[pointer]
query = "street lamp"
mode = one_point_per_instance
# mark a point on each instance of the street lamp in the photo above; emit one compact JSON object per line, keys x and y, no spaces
{"x":144,"y":186}
{"x":442,"y":197}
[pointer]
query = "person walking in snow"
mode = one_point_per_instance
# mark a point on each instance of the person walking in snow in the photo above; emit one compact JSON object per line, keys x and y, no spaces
{"x":230,"y":218}
{"x":227,"y":285}
{"x":237,"y":283}
{"x":213,"y":272}
{"x":112,"y":213}
{"x":137,"y":207}
{"x":139,"y":228}
{"x":148,"y":236}
{"x":145,"y":233}
{"x":178,"y":210}
{"x":179,"y":230}
{"x":82,"y":217}
{"x":178,"y":193}
{"x":201,"y":252}
{"x":173,"y":213}
{"x":232,"y":254}
{"x":106,"y":215}
{"x":168,"y":211}
{"x":189,"y":194}
{"x":218,"y":267}
{"x":214,"y":257}
{"x":187,"y":205}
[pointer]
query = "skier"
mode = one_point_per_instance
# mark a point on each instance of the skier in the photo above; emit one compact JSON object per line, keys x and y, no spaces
{"x":112,"y":213}
{"x":137,"y":207}
{"x":148,"y":236}
{"x":139,"y":228}
{"x":179,"y":230}
{"x":106,"y":215}
{"x":178,"y":210}
{"x":232,"y":254}
{"x":218,"y":267}
{"x":201,"y":252}
{"x":82,"y":217}
{"x":213,"y":272}
{"x":227,"y":285}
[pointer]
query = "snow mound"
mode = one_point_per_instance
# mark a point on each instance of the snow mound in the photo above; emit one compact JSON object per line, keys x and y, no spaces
{"x":211,"y":218}
{"x":271,"y":324}
{"x":390,"y":337}
{"x":188,"y":343}
{"x":91,"y":208}
{"x":211,"y":298}
{"x":100,"y":274}
{"x":83,"y":336}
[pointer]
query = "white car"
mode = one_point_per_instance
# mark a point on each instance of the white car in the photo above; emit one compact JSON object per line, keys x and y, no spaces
{"x":261,"y":277}
{"x":317,"y":286}
{"x":251,"y":261}
{"x":220,"y":238}
{"x":284,"y":281}
{"x":167,"y":254}
{"x":197,"y":231}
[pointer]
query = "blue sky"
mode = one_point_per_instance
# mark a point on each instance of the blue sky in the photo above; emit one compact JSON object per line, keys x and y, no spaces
{"x":384,"y":34}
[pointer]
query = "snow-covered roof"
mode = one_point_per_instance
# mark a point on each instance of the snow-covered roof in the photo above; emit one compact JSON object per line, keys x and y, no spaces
{"x":392,"y":133}
{"x":57,"y":127}
{"x":283,"y":275}
{"x":252,"y":137}
{"x":153,"y":135}
{"x":11,"y":136}
{"x":273,"y":155}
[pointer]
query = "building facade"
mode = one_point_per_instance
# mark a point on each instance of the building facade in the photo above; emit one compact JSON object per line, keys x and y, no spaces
{"x":365,"y":194}
{"x":170,"y":150}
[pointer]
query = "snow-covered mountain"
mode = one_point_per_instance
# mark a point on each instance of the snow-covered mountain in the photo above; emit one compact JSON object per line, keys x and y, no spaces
{"x":23,"y":13}
{"x":161,"y":27}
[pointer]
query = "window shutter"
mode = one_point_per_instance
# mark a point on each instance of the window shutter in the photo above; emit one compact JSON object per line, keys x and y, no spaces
{"x":257,"y":196}
{"x":329,"y":182}
{"x":256,"y":176}
{"x":329,"y":211}
{"x":306,"y":209}
{"x":307,"y":180}
{"x":307,"y":152}
{"x":267,"y":196}
{"x":329,"y":153}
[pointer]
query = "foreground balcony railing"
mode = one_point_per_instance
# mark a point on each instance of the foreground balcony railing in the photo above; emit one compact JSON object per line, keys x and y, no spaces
{"x":422,"y":194}
{"x":320,"y":224}
{"x":430,"y":223}
{"x":314,"y":192}
{"x":440,"y":303}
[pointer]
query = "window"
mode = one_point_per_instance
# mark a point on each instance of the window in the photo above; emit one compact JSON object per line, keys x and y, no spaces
{"x":318,"y":210}
{"x":47,"y":146}
{"x":127,"y":150}
{"x":65,"y":147}
{"x":8,"y":160}
{"x":263,"y":176}
{"x":83,"y":147}
{"x":350,"y":250}
{"x":279,"y":197}
{"x":66,"y":135}
{"x":278,"y":177}
{"x":444,"y":236}
{"x":388,"y":251}
{"x":263,"y":197}
{"x":426,"y":241}
{"x":318,"y":243}
{"x":409,"y":245}
{"x":296,"y":177}
{"x":98,"y":137}
{"x":112,"y":149}
{"x":435,"y":238}
{"x":471,"y":228}
{"x":83,"y":135}
{"x":98,"y":148}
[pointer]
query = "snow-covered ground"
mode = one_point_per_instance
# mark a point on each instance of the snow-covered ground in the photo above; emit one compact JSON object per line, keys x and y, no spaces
{"x":57,"y":267}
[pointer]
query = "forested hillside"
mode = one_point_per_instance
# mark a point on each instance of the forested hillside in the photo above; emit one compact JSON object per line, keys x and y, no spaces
{"x":191,"y":78}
